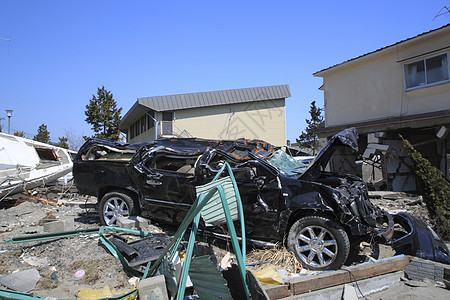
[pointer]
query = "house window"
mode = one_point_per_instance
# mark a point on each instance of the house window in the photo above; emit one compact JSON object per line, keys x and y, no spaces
{"x":167,"y":118}
{"x":143,"y":127}
{"x":427,"y":71}
{"x":132,"y":131}
{"x":150,"y":120}
{"x":137,"y":127}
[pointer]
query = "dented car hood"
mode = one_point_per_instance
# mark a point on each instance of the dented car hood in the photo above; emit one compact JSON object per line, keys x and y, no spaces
{"x":347,"y":137}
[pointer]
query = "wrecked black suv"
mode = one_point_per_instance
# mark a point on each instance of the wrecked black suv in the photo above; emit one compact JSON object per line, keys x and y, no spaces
{"x":318,"y":214}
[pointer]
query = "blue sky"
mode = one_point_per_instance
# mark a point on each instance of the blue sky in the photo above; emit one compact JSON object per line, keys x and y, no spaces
{"x":60,"y":52}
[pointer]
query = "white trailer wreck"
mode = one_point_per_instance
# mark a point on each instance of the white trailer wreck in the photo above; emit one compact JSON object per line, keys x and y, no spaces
{"x":25,"y":164}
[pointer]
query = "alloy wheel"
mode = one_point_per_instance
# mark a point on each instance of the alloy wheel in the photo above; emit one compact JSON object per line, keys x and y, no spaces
{"x":113,"y":209}
{"x":316,"y":246}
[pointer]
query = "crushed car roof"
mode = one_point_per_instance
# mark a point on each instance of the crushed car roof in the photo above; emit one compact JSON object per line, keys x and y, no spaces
{"x":240,"y":149}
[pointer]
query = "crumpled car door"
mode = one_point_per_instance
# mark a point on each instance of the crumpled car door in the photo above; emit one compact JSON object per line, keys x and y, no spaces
{"x":258,"y":187}
{"x":167,"y":192}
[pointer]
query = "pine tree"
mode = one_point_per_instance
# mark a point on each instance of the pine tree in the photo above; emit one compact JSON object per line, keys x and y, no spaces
{"x":42,"y":135}
{"x":308,"y":138}
{"x":63,"y":142}
{"x":19,"y":134}
{"x":103,"y":114}
{"x":436,"y":191}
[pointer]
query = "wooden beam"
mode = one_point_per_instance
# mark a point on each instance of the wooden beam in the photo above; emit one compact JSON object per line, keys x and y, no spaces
{"x":346,"y":275}
{"x":278,"y":291}
{"x":311,"y":283}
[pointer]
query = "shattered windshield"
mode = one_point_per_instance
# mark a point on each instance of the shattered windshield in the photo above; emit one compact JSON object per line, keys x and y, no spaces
{"x":286,"y":163}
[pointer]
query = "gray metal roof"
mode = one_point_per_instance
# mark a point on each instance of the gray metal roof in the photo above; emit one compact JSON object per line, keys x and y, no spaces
{"x":193,"y":100}
{"x":204,"y":99}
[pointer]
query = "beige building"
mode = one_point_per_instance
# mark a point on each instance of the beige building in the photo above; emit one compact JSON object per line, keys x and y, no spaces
{"x":252,"y":113}
{"x":402,"y":89}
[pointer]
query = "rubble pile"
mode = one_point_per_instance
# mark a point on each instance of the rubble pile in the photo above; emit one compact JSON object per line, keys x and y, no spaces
{"x":56,"y":261}
{"x":395,"y":202}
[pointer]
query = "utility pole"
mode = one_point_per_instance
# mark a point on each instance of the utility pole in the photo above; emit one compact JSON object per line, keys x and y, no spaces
{"x":8,"y":111}
{"x":9,"y":114}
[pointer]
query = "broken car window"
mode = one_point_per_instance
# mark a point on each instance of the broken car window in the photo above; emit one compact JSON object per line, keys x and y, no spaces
{"x":180,"y":164}
{"x":286,"y":163}
{"x":107,"y":153}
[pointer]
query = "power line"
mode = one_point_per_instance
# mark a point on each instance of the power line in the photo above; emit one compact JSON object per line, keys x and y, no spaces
{"x":446,"y":10}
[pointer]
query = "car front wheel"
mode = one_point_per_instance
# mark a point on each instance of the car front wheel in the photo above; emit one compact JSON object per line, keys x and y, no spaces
{"x":319,"y":243}
{"x":113,"y":206}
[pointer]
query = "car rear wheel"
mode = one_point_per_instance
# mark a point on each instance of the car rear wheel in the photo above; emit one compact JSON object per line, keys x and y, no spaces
{"x":319,"y":243}
{"x":115,"y":205}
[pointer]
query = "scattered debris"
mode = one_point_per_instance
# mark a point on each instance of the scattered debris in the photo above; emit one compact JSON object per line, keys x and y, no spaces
{"x":79,"y":274}
{"x":269,"y":275}
{"x":21,"y":281}
{"x":279,"y":257}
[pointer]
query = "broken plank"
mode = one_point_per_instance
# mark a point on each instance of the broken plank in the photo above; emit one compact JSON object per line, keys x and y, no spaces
{"x":350,"y":274}
{"x":278,"y":291}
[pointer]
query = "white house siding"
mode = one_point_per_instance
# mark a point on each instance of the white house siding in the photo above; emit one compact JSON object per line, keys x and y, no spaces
{"x":372,"y":87}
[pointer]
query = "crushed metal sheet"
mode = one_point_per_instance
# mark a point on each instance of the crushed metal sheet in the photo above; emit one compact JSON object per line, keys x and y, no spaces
{"x":208,"y":281}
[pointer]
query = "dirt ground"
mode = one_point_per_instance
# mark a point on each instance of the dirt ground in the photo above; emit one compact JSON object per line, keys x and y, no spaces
{"x":62,"y":257}
{"x":57,"y":261}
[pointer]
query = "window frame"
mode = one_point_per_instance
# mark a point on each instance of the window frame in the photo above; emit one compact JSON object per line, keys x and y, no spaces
{"x":132,"y":132}
{"x":424,"y":60}
{"x":137,"y":126}
{"x":155,"y":162}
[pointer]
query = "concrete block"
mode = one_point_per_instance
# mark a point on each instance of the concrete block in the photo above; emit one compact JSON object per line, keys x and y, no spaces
{"x":349,"y":293}
{"x":59,"y":226}
{"x":153,"y":288}
{"x":419,"y":269}
{"x":125,"y":223}
{"x":371,"y":138}
{"x":132,"y":222}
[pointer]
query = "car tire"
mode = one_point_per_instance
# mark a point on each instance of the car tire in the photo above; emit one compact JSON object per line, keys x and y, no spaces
{"x":319,"y":243}
{"x":115,"y":205}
